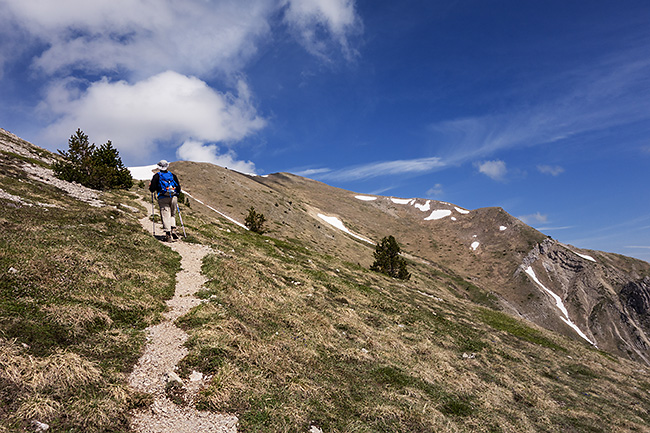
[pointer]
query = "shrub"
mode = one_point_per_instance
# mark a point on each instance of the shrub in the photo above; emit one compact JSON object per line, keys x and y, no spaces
{"x":255,"y":221}
{"x":95,"y":167}
{"x":388,"y":260}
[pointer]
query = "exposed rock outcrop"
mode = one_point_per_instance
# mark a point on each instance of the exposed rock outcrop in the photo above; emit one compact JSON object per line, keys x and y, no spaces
{"x":605,"y":298}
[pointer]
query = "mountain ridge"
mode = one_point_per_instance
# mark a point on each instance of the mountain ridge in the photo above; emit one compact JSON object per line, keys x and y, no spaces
{"x":486,"y":246}
{"x":293,"y":331}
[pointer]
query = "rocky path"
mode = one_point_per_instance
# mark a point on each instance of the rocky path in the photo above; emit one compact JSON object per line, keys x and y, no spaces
{"x":164,"y":350}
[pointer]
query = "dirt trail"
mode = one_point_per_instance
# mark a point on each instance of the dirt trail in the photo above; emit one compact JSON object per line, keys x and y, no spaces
{"x":165,"y":349}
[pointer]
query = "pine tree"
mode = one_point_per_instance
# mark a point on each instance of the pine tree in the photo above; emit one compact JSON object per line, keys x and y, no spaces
{"x":388,"y":260}
{"x":255,"y":221}
{"x":77,"y":163}
{"x":108,"y":170}
{"x":99,"y":168}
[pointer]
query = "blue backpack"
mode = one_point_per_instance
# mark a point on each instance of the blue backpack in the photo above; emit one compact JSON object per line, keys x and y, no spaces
{"x":167,"y":183}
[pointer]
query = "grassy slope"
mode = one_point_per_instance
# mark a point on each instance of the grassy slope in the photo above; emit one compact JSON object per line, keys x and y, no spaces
{"x":290,"y":335}
{"x":293,"y":337}
{"x":291,"y":204}
{"x":78,"y":285}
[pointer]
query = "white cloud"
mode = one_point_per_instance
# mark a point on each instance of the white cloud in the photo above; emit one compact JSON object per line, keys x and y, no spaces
{"x":136,"y":117}
{"x":553,"y":170}
{"x":532,"y":219}
{"x":310,"y":17}
{"x":189,"y":36}
{"x":193,"y":37}
{"x":435,"y":191}
{"x":377,"y":169}
{"x":312,"y":171}
{"x":201,"y":152}
{"x":156,"y":59}
{"x":493,"y":169}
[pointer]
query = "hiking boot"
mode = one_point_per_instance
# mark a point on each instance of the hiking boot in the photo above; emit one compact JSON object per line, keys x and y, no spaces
{"x":168,"y":237}
{"x":174,"y":234}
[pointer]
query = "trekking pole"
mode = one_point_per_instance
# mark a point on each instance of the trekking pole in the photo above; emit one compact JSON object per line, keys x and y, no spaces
{"x":153,"y":218}
{"x":181,"y":217}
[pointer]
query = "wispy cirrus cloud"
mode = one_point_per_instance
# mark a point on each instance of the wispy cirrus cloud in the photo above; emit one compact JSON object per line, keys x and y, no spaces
{"x":553,"y":170}
{"x":532,"y":219}
{"x":401,"y":167}
{"x":552,"y":228}
{"x":312,"y":172}
{"x":612,"y":93}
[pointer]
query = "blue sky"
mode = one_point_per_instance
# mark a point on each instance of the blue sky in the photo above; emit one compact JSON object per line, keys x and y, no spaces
{"x":542,"y":108}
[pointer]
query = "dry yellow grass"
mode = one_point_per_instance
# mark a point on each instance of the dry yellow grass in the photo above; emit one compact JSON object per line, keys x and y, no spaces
{"x":77,"y":287}
{"x":293,"y":337}
{"x":293,"y":333}
{"x":77,"y":318}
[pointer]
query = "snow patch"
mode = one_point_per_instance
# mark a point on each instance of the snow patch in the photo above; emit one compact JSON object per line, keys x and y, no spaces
{"x":144,"y":172}
{"x":438,"y":214}
{"x":503,"y":228}
{"x":401,"y":200}
{"x":586,"y":257}
{"x":559,"y":304}
{"x":336,"y":223}
{"x":463,"y":211}
{"x":454,"y":219}
{"x":423,"y":207}
{"x":214,"y":210}
{"x":365,"y":198}
{"x":475,"y":245}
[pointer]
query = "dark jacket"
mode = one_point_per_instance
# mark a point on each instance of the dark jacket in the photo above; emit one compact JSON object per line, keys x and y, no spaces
{"x":155,"y":184}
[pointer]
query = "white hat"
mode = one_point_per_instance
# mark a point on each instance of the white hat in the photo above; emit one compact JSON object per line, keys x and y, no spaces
{"x":163,"y":164}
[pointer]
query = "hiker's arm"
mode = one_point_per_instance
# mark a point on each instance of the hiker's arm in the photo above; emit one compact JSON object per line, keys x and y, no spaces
{"x":153,"y":186}
{"x":177,"y":183}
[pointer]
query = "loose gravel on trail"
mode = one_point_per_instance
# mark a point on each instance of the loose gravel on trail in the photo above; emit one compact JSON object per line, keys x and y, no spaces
{"x":163,"y":352}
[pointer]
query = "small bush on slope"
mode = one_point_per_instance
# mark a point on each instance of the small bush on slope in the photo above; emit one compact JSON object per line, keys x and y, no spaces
{"x":255,"y":221}
{"x":77,"y":287}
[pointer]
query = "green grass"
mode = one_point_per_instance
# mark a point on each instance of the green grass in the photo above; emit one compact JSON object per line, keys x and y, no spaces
{"x":290,"y":337}
{"x":294,"y":338}
{"x":78,"y":285}
{"x":503,"y":322}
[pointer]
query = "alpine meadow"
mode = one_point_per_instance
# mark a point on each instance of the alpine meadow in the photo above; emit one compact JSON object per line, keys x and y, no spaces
{"x":498,"y":329}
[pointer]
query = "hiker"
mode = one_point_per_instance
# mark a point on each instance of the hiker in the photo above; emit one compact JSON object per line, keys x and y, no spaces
{"x":167,"y":187}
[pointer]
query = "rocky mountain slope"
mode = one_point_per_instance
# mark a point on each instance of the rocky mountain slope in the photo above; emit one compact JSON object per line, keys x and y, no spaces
{"x":291,"y":331}
{"x":605,"y":295}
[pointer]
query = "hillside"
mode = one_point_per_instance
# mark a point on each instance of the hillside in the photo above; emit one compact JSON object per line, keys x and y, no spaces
{"x":605,"y":295}
{"x":294,"y":333}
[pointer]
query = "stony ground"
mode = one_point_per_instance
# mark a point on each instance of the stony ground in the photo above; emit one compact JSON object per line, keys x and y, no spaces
{"x":156,"y":368}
